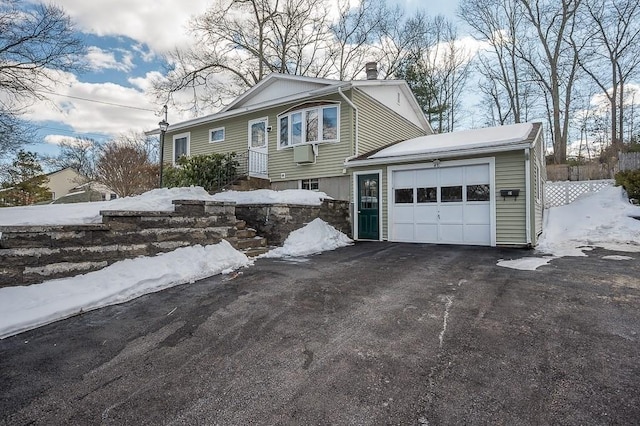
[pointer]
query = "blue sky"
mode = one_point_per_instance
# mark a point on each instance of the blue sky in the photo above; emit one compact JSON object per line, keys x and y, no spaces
{"x":126,"y":40}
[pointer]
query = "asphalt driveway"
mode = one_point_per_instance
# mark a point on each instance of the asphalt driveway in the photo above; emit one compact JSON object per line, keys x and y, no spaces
{"x":372,"y":334}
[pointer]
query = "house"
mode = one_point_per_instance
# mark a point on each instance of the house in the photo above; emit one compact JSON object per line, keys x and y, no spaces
{"x":476,"y":187}
{"x":297,"y":132}
{"x":62,"y":182}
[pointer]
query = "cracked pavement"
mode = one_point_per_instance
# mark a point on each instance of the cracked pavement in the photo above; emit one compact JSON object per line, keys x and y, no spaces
{"x":376,"y":333}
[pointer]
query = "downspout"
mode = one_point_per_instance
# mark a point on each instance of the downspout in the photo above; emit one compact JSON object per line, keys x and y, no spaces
{"x":355,"y":110}
{"x":527,"y":180}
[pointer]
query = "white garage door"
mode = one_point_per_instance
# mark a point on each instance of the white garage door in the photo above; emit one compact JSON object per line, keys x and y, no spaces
{"x":449,"y":205}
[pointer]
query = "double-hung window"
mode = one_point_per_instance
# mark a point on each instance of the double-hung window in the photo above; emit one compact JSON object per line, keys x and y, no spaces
{"x":309,"y":123}
{"x":181,"y":146}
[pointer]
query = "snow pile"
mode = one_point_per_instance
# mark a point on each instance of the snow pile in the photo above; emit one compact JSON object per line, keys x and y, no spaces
{"x":315,"y":237}
{"x":26,"y":307}
{"x":154,"y":200}
{"x":602,"y":219}
{"x":268,"y":196}
{"x":526,"y":263}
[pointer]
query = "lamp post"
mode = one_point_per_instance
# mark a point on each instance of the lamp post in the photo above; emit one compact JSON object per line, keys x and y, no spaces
{"x":164,"y":125}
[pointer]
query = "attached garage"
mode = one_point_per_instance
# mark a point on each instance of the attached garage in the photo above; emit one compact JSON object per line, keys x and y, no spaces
{"x":442,"y":189}
{"x":450,"y":205}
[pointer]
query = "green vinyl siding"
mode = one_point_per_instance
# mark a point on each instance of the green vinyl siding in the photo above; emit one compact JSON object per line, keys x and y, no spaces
{"x":330,"y":158}
{"x":510,"y":213}
{"x":378,"y":125}
{"x":511,"y":225}
{"x":331,"y":155}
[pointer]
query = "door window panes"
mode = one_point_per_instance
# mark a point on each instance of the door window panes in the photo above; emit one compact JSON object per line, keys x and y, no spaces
{"x":478,"y":193}
{"x":404,"y":196}
{"x":369,"y":194}
{"x":451,"y":194}
{"x":258,"y":134}
{"x":427,"y":195}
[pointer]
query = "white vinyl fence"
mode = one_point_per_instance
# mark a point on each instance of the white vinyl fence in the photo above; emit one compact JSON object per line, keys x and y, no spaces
{"x":561,"y":193}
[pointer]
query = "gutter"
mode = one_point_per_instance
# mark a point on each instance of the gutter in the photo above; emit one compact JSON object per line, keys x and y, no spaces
{"x":356,"y":135}
{"x":435,"y":155}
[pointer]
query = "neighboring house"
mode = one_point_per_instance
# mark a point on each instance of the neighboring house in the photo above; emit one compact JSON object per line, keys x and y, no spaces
{"x":479,"y":187}
{"x":297,"y":132}
{"x":62,"y":182}
{"x":68,"y":184}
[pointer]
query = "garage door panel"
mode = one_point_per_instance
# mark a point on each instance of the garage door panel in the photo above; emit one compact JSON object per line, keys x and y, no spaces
{"x":404,"y":232}
{"x":477,"y":234}
{"x":477,"y":174}
{"x":426,"y":233}
{"x":451,"y":176}
{"x":451,"y":233}
{"x":404,"y":214}
{"x":477,"y":213}
{"x":426,"y":177}
{"x":426,"y":213}
{"x":404,"y":179}
{"x":451,"y":213}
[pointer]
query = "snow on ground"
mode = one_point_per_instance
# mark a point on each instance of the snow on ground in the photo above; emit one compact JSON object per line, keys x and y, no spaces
{"x":315,"y":237}
{"x":25,"y":307}
{"x":602,"y":219}
{"x":526,"y":263}
{"x":154,"y":200}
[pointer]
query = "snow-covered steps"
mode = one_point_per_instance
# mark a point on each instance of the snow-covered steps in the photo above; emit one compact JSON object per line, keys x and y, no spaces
{"x":32,"y":254}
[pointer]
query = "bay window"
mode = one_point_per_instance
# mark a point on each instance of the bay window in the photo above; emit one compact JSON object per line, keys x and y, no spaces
{"x":311,"y":124}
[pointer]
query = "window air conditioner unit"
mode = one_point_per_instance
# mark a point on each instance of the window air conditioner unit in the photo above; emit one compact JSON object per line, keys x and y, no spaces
{"x":303,"y":154}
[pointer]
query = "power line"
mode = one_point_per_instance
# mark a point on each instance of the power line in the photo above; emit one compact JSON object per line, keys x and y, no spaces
{"x":99,"y":102}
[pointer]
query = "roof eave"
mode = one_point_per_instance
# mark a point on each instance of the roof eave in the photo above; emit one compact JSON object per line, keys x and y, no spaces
{"x":437,"y":155}
{"x":255,"y":107}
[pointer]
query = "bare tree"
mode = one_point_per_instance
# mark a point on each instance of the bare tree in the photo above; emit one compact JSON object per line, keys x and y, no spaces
{"x":125,"y":165}
{"x":612,"y":52}
{"x":239,"y":42}
{"x":552,"y":58}
{"x":35,"y":40}
{"x":437,"y":73}
{"x":506,"y":86}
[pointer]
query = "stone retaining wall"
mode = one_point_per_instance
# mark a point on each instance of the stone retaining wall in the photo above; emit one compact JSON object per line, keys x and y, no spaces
{"x":276,"y":221}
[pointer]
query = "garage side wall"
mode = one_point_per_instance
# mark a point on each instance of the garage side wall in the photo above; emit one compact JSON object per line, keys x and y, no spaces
{"x":511,"y":211}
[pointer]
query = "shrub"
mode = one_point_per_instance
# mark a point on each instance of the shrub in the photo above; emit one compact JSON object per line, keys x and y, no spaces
{"x":210,"y":171}
{"x":630,"y":181}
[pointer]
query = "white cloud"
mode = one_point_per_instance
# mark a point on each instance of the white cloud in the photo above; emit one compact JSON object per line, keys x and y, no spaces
{"x":117,"y":109}
{"x":159,"y":24}
{"x":100,"y":59}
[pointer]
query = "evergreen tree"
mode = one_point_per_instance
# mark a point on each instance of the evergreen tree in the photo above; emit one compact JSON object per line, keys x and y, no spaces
{"x":26,"y":183}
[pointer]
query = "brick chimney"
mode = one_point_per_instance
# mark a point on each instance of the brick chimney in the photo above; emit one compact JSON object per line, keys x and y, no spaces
{"x":372,"y":70}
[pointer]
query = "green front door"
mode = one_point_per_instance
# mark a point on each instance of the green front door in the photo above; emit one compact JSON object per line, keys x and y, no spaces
{"x":368,"y":207}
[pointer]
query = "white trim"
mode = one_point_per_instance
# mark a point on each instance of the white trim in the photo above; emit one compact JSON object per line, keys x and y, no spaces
{"x":302,"y":111}
{"x":173,"y":145}
{"x":356,"y":135}
{"x":435,"y":155}
{"x":224,"y":134}
{"x":528,"y":188}
{"x":355,"y":202}
{"x":491,"y":161}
